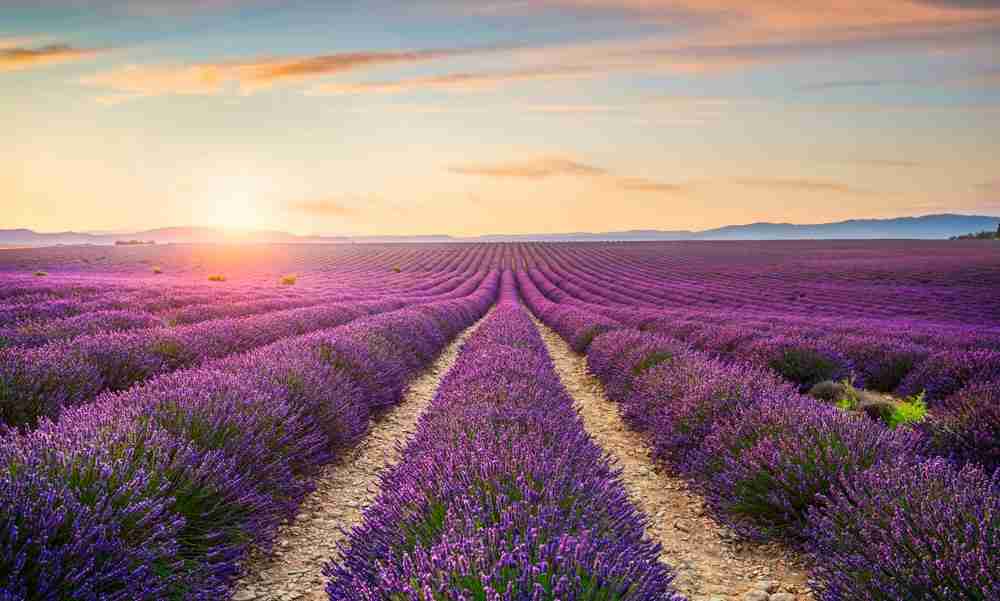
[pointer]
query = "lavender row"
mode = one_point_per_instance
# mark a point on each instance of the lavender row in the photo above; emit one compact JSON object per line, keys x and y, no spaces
{"x":41,"y":382}
{"x":187,"y":303}
{"x":603,"y":286}
{"x":963,"y":424}
{"x":501,"y":494}
{"x":773,"y":462}
{"x":38,"y":333}
{"x":907,"y":364}
{"x":158,"y":492}
{"x":939,"y":281}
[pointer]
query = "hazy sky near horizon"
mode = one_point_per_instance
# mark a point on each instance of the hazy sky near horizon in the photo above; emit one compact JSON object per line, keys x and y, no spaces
{"x":494,"y":116}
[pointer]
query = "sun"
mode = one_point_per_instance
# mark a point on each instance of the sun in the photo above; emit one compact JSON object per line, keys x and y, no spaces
{"x":235,"y":213}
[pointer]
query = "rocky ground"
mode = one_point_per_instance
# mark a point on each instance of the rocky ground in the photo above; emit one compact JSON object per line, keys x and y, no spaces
{"x":710,"y":561}
{"x":294,"y":570}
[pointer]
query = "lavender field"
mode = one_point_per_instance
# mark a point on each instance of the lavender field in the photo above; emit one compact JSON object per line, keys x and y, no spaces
{"x":736,"y":421}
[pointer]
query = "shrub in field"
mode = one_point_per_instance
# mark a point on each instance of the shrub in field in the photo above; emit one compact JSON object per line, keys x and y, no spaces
{"x":288,"y":280}
{"x":892,"y":412}
{"x":920,"y":531}
{"x":216,"y":278}
{"x":966,"y":426}
{"x":946,"y":372}
{"x":767,"y":464}
{"x":802,"y":360}
{"x":909,"y":411}
{"x":157,"y":270}
{"x":41,"y":274}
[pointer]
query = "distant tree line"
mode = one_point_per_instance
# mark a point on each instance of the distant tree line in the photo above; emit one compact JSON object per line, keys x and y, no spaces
{"x":134,"y":242}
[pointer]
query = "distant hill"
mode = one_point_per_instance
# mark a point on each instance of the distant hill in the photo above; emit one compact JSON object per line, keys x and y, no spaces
{"x":925,"y":227}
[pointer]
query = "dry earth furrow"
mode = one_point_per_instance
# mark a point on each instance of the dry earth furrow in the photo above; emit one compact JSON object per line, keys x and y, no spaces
{"x":294,"y":570}
{"x":711,"y":563}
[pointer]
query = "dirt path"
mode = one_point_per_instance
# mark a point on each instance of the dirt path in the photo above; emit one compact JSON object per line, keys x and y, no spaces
{"x":711,"y":563}
{"x":294,"y":571}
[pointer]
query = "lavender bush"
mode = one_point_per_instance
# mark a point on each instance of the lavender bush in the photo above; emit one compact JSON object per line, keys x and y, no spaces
{"x":909,"y":530}
{"x":965,"y":427}
{"x":766,"y":465}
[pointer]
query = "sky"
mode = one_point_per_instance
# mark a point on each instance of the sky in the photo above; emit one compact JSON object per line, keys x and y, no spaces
{"x":376,"y":117}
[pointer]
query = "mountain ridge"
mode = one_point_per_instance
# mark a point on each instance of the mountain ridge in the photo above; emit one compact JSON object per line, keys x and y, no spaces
{"x":935,"y":226}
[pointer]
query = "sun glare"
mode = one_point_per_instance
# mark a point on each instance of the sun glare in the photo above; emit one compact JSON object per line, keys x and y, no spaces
{"x":235,"y":214}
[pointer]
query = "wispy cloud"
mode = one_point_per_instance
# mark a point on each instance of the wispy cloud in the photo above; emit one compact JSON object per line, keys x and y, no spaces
{"x":453,"y":82}
{"x":546,"y":167}
{"x":17,"y":58}
{"x":323,"y":207}
{"x":537,"y":168}
{"x":247,"y":76}
{"x":638,"y":184}
{"x":797,"y":184}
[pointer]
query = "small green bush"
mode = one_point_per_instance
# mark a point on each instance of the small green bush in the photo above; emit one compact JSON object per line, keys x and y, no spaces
{"x":288,"y":280}
{"x":157,"y":270}
{"x":41,"y":274}
{"x":912,"y":410}
{"x":217,"y":278}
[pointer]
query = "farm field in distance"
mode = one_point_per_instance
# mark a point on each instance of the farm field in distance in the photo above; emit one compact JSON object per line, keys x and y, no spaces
{"x":738,"y":421}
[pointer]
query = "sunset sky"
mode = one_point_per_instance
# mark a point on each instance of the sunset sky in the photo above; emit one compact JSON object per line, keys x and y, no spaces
{"x":494,"y":116}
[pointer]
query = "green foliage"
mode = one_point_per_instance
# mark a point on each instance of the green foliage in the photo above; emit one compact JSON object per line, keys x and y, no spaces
{"x":157,"y":270}
{"x":909,"y":411}
{"x":217,"y":278}
{"x":41,"y":274}
{"x":288,"y":280}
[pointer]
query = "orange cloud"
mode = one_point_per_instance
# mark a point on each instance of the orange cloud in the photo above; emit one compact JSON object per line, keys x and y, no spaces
{"x":732,"y":34}
{"x":801,"y":15}
{"x":453,"y":82}
{"x":638,"y":184}
{"x":248,"y":76}
{"x":537,"y":168}
{"x":17,"y":58}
